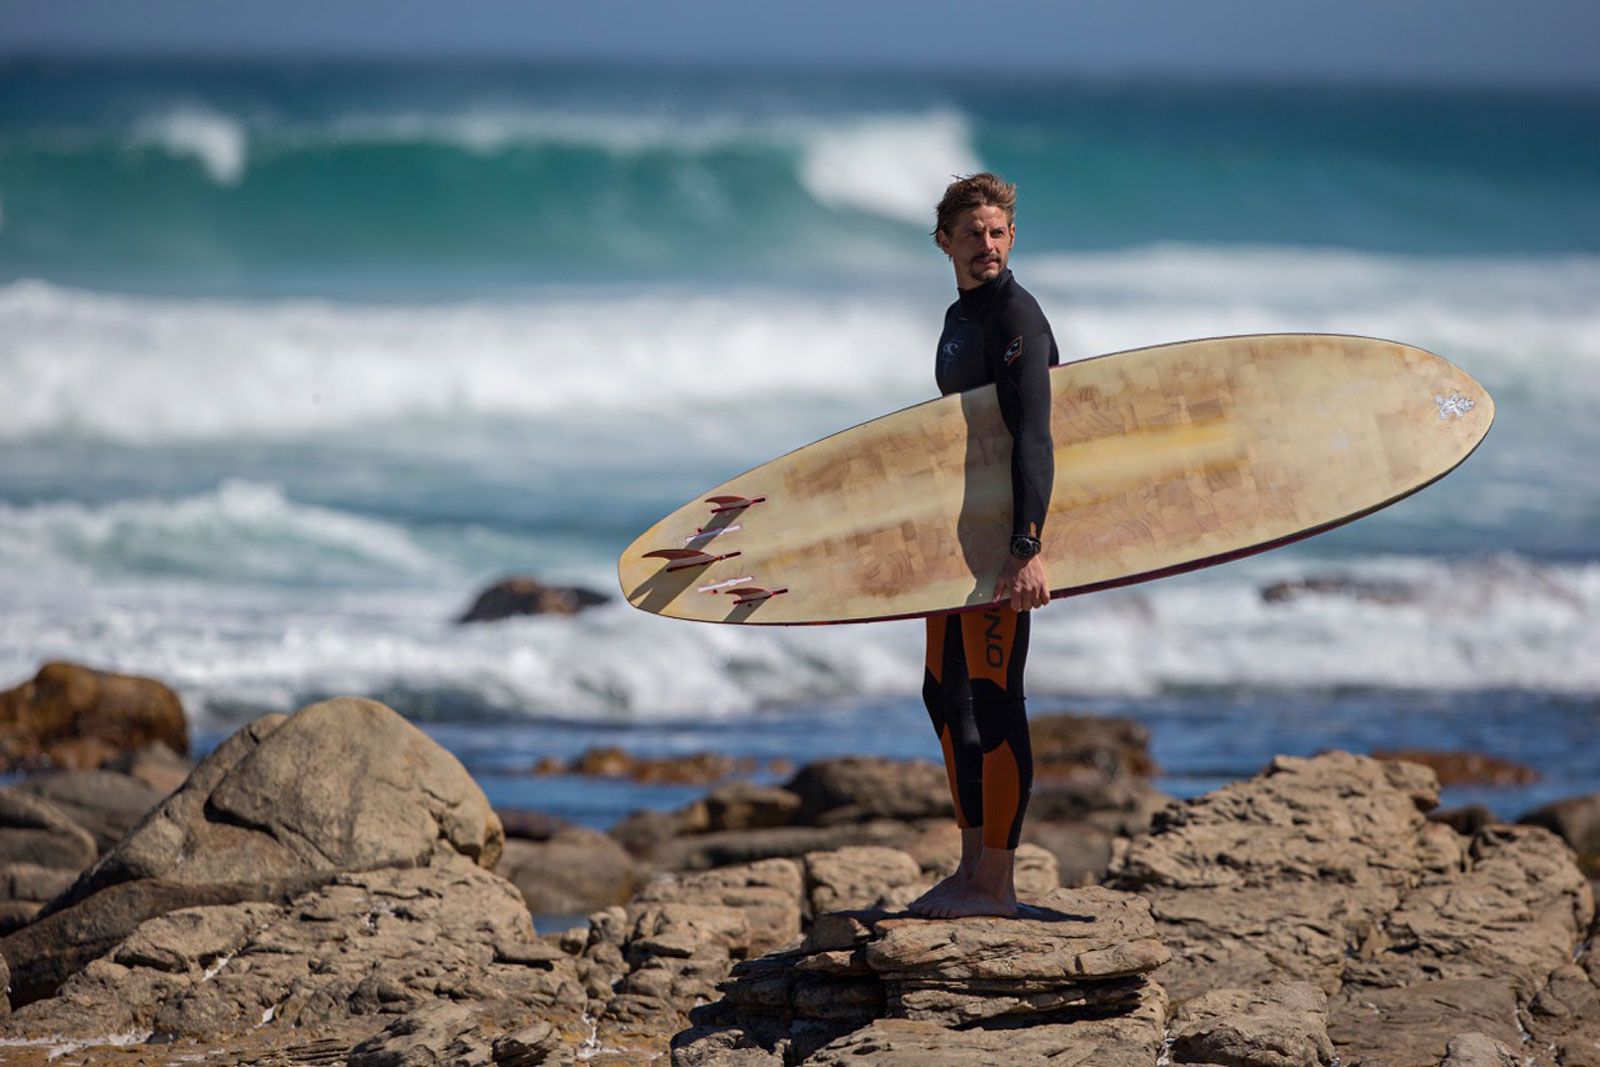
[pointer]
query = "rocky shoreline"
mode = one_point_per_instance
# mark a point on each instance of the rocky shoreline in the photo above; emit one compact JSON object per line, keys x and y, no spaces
{"x":333,"y":887}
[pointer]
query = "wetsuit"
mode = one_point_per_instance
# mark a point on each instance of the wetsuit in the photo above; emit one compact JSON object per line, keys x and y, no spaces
{"x":972,"y":685}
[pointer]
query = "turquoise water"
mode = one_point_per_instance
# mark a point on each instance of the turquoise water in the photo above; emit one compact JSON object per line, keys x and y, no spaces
{"x":297,"y":356}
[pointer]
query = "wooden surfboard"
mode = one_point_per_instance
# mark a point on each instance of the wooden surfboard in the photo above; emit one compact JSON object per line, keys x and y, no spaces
{"x":1167,"y":459}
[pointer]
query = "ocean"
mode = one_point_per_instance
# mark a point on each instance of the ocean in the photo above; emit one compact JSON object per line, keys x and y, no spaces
{"x":298,"y":356}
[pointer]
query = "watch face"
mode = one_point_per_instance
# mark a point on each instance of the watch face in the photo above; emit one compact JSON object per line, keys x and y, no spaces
{"x":1024,"y":547}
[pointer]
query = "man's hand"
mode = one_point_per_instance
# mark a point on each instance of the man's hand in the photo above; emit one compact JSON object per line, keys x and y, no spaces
{"x":1023,"y":583}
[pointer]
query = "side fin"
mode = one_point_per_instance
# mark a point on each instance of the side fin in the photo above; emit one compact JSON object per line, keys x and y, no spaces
{"x":751,"y":594}
{"x":732,"y":503}
{"x":686,"y":557}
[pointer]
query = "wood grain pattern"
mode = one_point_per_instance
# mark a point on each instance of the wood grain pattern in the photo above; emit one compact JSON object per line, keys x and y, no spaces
{"x":1167,"y":459}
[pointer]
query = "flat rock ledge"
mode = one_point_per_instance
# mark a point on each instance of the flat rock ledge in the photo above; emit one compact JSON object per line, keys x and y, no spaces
{"x":1065,"y":984}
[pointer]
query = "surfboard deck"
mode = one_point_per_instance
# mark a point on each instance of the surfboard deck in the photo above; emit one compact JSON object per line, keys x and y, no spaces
{"x":1168,"y":459}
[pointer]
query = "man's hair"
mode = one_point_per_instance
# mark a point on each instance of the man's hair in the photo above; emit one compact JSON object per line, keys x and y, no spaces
{"x":975,"y":190}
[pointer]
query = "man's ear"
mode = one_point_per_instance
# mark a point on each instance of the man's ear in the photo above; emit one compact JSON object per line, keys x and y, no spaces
{"x":943,"y":240}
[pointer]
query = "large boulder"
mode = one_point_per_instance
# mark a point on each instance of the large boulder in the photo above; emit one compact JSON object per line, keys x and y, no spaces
{"x":72,"y":716}
{"x":285,"y":804}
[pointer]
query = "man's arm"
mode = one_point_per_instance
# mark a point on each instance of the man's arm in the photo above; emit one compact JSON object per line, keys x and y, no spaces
{"x":1022,"y":381}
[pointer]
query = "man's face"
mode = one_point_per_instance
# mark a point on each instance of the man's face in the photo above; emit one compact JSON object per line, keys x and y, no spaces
{"x":978,"y":244}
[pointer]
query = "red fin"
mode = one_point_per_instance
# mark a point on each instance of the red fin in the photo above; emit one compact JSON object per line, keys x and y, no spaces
{"x":683,"y":558}
{"x":732,"y":503}
{"x":751,"y":594}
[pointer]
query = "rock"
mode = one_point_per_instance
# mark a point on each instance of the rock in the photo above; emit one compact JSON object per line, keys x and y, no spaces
{"x":1270,"y":879}
{"x":530,"y":825}
{"x":1280,"y":1025}
{"x":856,"y":789}
{"x":697,"y":852}
{"x":1082,"y":850}
{"x":1353,"y":588}
{"x":529,"y":596}
{"x":75,"y":717}
{"x":27,"y":881}
{"x":1121,"y":806}
{"x":1108,"y":746}
{"x":677,"y":955}
{"x":105,"y":803}
{"x":282,"y":805}
{"x":881,"y":987}
{"x":1478,"y":1050}
{"x":645,"y":831}
{"x":572,"y":873}
{"x":340,"y":961}
{"x":1326,"y":871}
{"x":1409,"y":1026}
{"x":1576,"y":820}
{"x":534,"y":1044}
{"x":609,"y":761}
{"x":1565,"y":1014}
{"x":1466,"y":820}
{"x":768,"y":892}
{"x":1464,"y":768}
{"x":36,"y":832}
{"x":856,"y":877}
{"x":156,"y":765}
{"x":1513,"y":916}
{"x":744,"y":806}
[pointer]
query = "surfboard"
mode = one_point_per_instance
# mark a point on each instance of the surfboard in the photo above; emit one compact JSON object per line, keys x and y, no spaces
{"x":1167,"y":459}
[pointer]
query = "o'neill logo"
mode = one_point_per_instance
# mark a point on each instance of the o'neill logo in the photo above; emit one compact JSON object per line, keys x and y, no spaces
{"x":1453,"y":406}
{"x":1013,"y":350}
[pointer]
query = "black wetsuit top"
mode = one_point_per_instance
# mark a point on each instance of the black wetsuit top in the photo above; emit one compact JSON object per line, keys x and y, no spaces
{"x":996,"y":333}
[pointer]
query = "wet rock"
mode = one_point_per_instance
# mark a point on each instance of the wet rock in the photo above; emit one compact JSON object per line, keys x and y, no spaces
{"x":72,"y":716}
{"x":1464,"y":768}
{"x":529,"y":596}
{"x":609,"y":761}
{"x":855,"y":789}
{"x":744,"y":806}
{"x":1352,"y":588}
{"x":1280,"y":1025}
{"x":768,"y":892}
{"x":282,"y":805}
{"x":1108,"y":746}
{"x":105,"y":803}
{"x":572,"y":872}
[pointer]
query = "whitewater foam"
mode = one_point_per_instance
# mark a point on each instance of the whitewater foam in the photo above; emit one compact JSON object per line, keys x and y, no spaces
{"x":218,"y":142}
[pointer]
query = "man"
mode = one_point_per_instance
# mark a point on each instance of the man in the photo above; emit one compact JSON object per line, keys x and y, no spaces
{"x":993,"y":333}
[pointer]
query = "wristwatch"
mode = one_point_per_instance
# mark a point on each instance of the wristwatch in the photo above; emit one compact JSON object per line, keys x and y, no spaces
{"x":1024,"y":547}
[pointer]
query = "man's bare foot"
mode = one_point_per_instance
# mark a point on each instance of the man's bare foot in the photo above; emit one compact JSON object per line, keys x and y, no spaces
{"x":991,"y":890}
{"x":944,"y":888}
{"x":973,"y":900}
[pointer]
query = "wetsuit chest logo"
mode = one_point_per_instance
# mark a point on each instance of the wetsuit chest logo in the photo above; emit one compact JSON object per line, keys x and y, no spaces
{"x":1013,"y":350}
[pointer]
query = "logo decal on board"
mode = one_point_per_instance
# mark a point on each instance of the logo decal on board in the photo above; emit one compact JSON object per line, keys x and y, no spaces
{"x":1013,"y":350}
{"x":1453,"y":406}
